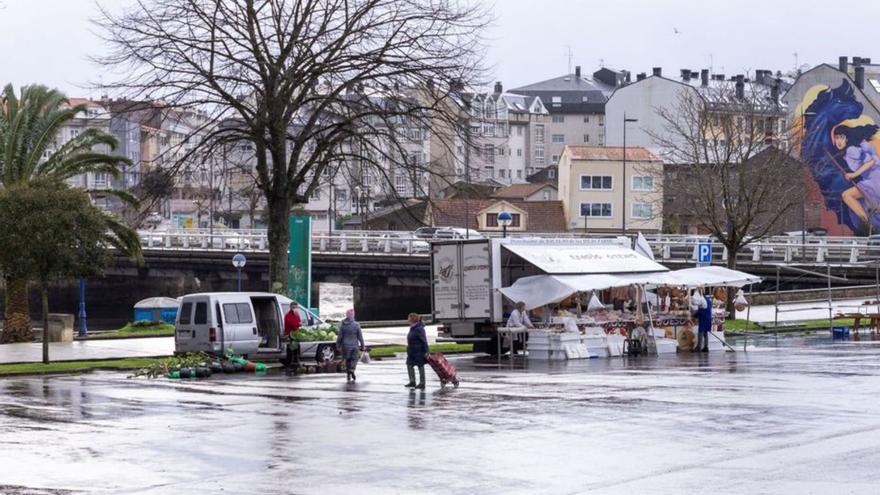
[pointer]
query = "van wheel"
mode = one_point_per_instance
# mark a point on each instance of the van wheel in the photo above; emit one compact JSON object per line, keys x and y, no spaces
{"x":326,"y":352}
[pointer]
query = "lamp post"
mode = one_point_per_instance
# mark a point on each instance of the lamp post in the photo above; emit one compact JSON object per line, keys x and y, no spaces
{"x":83,"y":326}
{"x":625,"y":121}
{"x":238,"y":261}
{"x":504,"y":219}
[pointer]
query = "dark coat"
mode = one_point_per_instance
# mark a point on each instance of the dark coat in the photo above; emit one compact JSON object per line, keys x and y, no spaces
{"x":416,"y":345}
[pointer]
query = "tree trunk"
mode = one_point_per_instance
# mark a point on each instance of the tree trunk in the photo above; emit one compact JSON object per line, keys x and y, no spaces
{"x":279,"y":242}
{"x":44,"y":299}
{"x":17,"y":326}
{"x":731,"y":291}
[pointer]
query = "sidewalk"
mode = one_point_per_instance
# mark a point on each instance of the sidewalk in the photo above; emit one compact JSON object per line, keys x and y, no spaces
{"x":32,"y":352}
{"x":85,"y":350}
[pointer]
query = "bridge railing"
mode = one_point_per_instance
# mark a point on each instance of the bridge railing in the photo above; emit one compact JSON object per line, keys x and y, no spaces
{"x":668,"y":248}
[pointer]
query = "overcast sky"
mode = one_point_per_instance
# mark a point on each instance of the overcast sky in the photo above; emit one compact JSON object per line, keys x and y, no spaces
{"x":48,"y":41}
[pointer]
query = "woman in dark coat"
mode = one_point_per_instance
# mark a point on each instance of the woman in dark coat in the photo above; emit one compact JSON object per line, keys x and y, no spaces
{"x":416,"y":351}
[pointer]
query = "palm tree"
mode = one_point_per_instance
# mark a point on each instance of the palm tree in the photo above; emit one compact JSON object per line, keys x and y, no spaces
{"x":29,"y":152}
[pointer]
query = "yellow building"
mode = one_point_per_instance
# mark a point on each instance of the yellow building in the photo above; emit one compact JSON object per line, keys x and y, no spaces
{"x":594,"y":193}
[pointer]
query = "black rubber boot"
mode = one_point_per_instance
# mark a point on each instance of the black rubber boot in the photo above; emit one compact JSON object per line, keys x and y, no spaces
{"x":410,"y":385}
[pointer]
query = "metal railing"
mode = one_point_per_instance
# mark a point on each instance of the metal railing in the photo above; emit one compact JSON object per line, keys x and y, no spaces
{"x":671,"y":248}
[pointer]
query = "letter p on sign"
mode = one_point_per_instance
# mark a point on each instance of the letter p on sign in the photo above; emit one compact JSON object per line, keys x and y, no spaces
{"x":704,"y":252}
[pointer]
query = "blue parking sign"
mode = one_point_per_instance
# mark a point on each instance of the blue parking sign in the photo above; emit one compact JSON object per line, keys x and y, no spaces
{"x":704,"y":253}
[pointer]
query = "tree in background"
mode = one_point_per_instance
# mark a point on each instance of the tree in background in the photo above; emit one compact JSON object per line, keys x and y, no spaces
{"x":30,"y":150}
{"x":731,"y":152}
{"x":52,"y":232}
{"x":307,"y":83}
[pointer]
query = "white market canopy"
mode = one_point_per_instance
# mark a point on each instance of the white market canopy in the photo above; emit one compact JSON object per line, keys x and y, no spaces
{"x":156,"y":303}
{"x":539,"y":290}
{"x":584,"y":259}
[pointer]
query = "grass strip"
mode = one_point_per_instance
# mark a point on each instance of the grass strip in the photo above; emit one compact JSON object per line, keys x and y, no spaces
{"x":391,"y":350}
{"x":131,"y":330}
{"x":751,"y":326}
{"x":74,"y":366}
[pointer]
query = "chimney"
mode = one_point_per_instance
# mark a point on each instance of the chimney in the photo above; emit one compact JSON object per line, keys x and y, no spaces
{"x":657,"y":71}
{"x":577,"y":71}
{"x":866,"y":61}
{"x":719,"y":77}
{"x":842,"y":63}
{"x":641,"y":76}
{"x":499,"y":88}
{"x":627,"y":77}
{"x":860,"y":77}
{"x":704,"y":77}
{"x":857,"y":61}
{"x":740,"y":87}
{"x":685,"y":75}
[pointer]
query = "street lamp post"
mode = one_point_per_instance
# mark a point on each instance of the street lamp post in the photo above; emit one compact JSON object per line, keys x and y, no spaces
{"x":83,"y":326}
{"x":238,"y":261}
{"x":625,"y":121}
{"x":504,"y":219}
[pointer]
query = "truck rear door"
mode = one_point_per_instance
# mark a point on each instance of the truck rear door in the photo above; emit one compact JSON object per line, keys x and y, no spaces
{"x":475,"y":281}
{"x":461,"y":287}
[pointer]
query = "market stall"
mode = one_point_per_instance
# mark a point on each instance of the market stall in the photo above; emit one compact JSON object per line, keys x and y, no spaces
{"x":608,"y":314}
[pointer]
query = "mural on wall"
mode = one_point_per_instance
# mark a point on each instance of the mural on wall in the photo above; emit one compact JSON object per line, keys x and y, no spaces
{"x":839,"y":144}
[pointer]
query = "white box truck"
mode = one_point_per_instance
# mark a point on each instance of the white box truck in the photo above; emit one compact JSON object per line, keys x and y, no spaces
{"x":466,"y":276}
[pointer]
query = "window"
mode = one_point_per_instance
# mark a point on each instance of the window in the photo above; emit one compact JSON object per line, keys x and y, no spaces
{"x":596,"y":183}
{"x":74,"y":133}
{"x":341,"y":194}
{"x":585,"y":99}
{"x":515,"y":220}
{"x":491,"y":219}
{"x":489,"y":153}
{"x":490,"y":172}
{"x":539,"y":154}
{"x":556,"y":101}
{"x":642,"y":210}
{"x":559,"y":138}
{"x":519,"y":130}
{"x":186,"y":313}
{"x":316,"y":194}
{"x":539,"y":133}
{"x":601,"y":120}
{"x":100,"y":179}
{"x":551,"y":173}
{"x":519,"y":174}
{"x":519,"y":152}
{"x":586,"y":119}
{"x":554,"y":160}
{"x":237,"y":313}
{"x":545,"y":195}
{"x":596,"y":210}
{"x":643,"y":183}
{"x":601,"y":139}
{"x":501,"y":173}
{"x":559,"y":119}
{"x":201,"y":316}
{"x":415,"y":134}
{"x":586,"y":138}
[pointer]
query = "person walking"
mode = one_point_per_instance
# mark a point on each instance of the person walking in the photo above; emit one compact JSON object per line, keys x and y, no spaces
{"x":349,"y":341}
{"x":416,"y":351}
{"x":292,"y":324}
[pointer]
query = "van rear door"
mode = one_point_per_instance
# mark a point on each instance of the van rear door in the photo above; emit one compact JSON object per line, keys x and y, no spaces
{"x":194,"y":328}
{"x":239,"y":326}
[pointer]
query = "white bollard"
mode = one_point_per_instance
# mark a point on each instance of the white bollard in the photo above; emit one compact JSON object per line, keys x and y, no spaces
{"x":854,"y":253}
{"x":821,"y":253}
{"x":756,"y":252}
{"x":343,"y":244}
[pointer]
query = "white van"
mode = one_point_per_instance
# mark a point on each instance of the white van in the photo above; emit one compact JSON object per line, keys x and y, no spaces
{"x":249,"y":323}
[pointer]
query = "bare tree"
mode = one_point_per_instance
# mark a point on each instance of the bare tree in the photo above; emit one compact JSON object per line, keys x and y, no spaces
{"x":730,"y":149}
{"x":308,"y":82}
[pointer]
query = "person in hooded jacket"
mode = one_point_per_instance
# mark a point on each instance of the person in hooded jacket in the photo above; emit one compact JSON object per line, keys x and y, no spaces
{"x":349,"y":341}
{"x":416,"y":351}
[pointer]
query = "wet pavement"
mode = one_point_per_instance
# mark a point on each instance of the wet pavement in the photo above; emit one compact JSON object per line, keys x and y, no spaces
{"x":797,"y":418}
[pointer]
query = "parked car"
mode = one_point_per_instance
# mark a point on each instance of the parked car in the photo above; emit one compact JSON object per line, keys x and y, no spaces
{"x":403,"y":243}
{"x":251,"y":324}
{"x":446,"y":233}
{"x":151,"y":238}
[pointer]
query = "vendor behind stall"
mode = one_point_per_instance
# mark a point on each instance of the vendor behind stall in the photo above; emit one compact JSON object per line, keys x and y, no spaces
{"x":519,"y":317}
{"x":703,"y":307}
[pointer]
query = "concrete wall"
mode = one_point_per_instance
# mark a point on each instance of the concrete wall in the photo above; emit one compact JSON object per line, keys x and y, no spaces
{"x":641,"y":100}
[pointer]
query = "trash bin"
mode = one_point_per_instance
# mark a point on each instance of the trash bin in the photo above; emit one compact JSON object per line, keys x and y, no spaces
{"x":840,"y":332}
{"x":60,"y":327}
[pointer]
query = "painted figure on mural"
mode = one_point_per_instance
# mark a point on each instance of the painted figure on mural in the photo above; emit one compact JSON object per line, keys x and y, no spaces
{"x":841,"y":157}
{"x":861,"y":160}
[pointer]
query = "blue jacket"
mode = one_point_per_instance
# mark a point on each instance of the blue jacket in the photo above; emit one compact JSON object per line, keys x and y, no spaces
{"x":704,"y":316}
{"x":350,"y":334}
{"x":416,"y":345}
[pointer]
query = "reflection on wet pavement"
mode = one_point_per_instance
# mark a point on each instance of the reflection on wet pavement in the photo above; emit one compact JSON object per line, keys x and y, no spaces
{"x":800,"y":417}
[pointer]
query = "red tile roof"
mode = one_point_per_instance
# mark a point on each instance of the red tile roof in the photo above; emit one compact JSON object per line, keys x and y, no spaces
{"x":520,"y":191}
{"x":610,"y":153}
{"x":542,"y":216}
{"x":82,"y":101}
